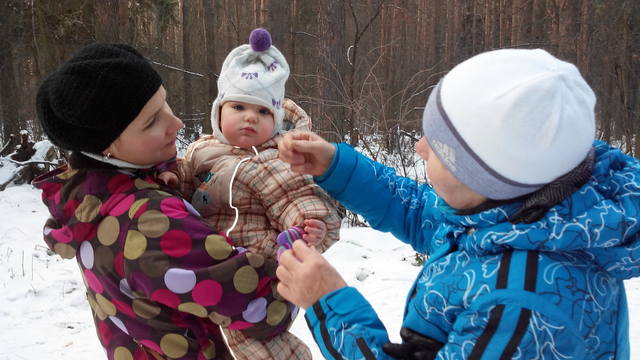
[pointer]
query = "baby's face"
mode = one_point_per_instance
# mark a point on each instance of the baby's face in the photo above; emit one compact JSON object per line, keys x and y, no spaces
{"x":246,"y":125}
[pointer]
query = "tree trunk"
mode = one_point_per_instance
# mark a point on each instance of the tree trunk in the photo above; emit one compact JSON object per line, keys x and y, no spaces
{"x":106,"y":20}
{"x":505,"y":23}
{"x":537,"y":20}
{"x":330,"y":112}
{"x":520,"y":23}
{"x":9,"y":106}
{"x":210,"y":58}
{"x":584,"y":38}
{"x":569,"y":30}
{"x":8,"y":90}
{"x":124,"y":22}
{"x":187,"y":53}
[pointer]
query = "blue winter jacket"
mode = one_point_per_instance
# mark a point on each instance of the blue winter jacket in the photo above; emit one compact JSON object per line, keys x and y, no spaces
{"x":491,"y":289}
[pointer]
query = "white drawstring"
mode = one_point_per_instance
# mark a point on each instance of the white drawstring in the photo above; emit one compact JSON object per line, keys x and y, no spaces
{"x":226,"y":342}
{"x":235,"y":221}
{"x":233,"y":176}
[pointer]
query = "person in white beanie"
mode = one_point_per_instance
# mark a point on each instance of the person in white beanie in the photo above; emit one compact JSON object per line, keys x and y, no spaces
{"x":530,"y":224}
{"x":236,"y":181}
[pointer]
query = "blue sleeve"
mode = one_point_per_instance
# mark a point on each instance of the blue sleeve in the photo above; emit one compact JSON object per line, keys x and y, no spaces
{"x":389,"y":203}
{"x":345,"y":326}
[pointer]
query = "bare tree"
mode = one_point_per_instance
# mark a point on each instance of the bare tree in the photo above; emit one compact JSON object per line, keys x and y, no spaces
{"x":354,"y":63}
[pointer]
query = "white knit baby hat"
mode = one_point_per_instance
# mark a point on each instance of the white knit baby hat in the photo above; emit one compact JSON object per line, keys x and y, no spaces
{"x":253,"y":73}
{"x":507,"y":122}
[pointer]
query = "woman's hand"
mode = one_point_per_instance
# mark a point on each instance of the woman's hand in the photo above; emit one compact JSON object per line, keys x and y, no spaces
{"x":305,"y":276}
{"x":170,"y":179}
{"x":307,"y":152}
{"x":314,"y":231}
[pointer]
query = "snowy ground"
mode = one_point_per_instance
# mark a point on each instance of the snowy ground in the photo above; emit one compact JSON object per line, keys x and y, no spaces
{"x":44,"y":314}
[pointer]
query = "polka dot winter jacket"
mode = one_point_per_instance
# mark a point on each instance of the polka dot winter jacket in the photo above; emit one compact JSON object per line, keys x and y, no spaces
{"x":159,"y":279}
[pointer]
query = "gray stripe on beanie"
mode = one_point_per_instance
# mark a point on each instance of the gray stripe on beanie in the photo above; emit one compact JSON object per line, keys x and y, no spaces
{"x":456,"y":155}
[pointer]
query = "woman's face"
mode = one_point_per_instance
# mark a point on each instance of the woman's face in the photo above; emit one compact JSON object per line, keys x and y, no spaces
{"x":455,"y":193}
{"x":151,"y":137}
{"x":246,"y":125}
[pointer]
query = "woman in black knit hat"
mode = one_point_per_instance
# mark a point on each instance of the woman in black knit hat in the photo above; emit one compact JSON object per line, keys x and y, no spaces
{"x":159,"y":280}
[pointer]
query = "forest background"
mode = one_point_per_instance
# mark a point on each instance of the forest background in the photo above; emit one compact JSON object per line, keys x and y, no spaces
{"x":361,"y":68}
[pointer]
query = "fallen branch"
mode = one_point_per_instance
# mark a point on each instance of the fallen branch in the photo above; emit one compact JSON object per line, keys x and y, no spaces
{"x":6,"y":146}
{"x":29,"y":162}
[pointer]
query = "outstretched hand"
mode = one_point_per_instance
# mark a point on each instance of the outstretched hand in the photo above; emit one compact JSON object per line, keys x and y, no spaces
{"x":168,"y":178}
{"x":314,"y":231}
{"x":307,"y":152}
{"x":305,"y":276}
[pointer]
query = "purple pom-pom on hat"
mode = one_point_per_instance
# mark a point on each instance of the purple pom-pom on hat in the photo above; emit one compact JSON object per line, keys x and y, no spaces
{"x":260,"y":40}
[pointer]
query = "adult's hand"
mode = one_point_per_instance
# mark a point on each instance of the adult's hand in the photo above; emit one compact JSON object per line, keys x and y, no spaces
{"x":307,"y":152}
{"x":305,"y":276}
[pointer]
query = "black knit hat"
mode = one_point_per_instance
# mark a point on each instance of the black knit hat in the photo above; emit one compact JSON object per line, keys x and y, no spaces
{"x":86,"y":103}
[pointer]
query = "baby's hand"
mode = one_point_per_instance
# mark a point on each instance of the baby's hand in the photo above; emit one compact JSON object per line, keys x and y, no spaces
{"x":168,"y":178}
{"x":314,"y":231}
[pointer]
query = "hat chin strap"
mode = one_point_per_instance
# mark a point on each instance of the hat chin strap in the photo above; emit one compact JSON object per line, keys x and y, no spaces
{"x":114,"y":162}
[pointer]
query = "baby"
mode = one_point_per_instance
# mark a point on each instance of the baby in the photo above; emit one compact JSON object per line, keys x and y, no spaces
{"x":236,"y":181}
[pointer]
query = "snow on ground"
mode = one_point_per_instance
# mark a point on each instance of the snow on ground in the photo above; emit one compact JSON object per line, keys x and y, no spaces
{"x":44,"y":314}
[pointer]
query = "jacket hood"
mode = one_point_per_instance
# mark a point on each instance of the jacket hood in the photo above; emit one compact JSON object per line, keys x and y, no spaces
{"x":600,"y":219}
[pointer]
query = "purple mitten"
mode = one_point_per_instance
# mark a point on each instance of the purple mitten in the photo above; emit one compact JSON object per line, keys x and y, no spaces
{"x":286,"y":238}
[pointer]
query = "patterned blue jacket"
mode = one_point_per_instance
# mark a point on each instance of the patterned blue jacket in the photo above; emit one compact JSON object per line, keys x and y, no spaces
{"x":490,"y":289}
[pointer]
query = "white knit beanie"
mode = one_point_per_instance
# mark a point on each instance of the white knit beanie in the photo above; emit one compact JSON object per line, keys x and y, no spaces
{"x":507,"y":122}
{"x":253,"y":73}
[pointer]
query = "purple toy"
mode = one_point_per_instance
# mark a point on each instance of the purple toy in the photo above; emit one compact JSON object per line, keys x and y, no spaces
{"x":286,"y":238}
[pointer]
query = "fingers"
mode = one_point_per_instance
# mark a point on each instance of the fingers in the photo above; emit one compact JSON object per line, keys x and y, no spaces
{"x":315,"y":231}
{"x":315,"y":223}
{"x":285,"y":149}
{"x":301,"y":135}
{"x":283,"y":274}
{"x":305,"y":276}
{"x":312,"y":145}
{"x":173,"y":181}
{"x":291,"y":293}
{"x":168,"y":178}
{"x":285,"y":153}
{"x":289,"y":260}
{"x":303,"y":252}
{"x":312,"y":241}
{"x":304,"y":168}
{"x":290,"y":287}
{"x":306,"y":152}
{"x":301,"y":142}
{"x":285,"y":291}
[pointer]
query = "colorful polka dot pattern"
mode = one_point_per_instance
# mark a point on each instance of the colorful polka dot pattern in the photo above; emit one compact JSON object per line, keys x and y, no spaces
{"x":153,"y":269}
